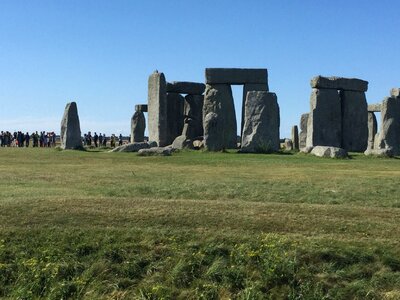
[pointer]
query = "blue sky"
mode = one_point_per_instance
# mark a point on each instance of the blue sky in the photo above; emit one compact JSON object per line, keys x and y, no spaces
{"x":100,"y":53}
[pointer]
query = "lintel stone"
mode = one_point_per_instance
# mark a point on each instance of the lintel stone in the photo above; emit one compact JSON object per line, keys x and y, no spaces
{"x":186,"y":87}
{"x":141,"y":107}
{"x":374,"y":107}
{"x":236,"y":76}
{"x":339,"y":83}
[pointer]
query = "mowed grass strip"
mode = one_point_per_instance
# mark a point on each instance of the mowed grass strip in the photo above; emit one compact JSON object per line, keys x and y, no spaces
{"x":197,"y":225}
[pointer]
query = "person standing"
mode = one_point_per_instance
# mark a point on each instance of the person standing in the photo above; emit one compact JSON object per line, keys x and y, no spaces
{"x":96,"y":139}
{"x":27,"y":138}
{"x":120,"y":140}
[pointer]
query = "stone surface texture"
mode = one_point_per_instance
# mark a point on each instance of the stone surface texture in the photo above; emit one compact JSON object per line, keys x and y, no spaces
{"x":339,"y":83}
{"x":379,"y":152}
{"x":193,"y":109}
{"x":70,"y":128}
{"x":236,"y":76}
{"x":186,"y":87}
{"x":138,"y":126}
{"x":156,"y":151}
{"x":295,"y":137}
{"x":324,"y":127}
{"x":332,"y":152}
{"x":374,"y":107}
{"x":372,"y":129}
{"x":157,"y":109}
{"x":262,"y":121}
{"x":303,"y":131}
{"x":354,"y":121}
{"x":395,"y":92}
{"x":132,"y":147}
{"x":220,"y":126}
{"x":248,"y":87}
{"x":141,"y":107}
{"x":175,"y":103}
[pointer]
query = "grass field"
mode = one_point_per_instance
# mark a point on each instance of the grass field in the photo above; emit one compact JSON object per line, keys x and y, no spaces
{"x":197,"y":225}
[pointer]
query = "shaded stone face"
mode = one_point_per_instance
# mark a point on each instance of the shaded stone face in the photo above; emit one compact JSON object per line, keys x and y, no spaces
{"x":303,"y":131}
{"x":236,"y":76}
{"x":354,"y":121}
{"x":175,"y":116}
{"x":248,"y":87}
{"x":185,"y":87}
{"x":389,"y":134}
{"x":70,"y":128}
{"x":157,"y":109}
{"x":221,"y":133}
{"x":295,"y":137}
{"x":193,"y":109}
{"x":141,"y":107}
{"x":374,"y":107}
{"x":324,"y":126}
{"x":262,"y":121}
{"x":138,"y":126}
{"x":339,"y":83}
{"x":372,"y":129}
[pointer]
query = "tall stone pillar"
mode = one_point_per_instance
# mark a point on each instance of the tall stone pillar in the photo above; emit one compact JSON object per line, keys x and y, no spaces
{"x":389,"y":134}
{"x":303,"y":131}
{"x":248,"y":87}
{"x":295,"y":137}
{"x":221,"y":132}
{"x":324,"y":126}
{"x":70,"y":128}
{"x":372,"y":129}
{"x":175,"y":117}
{"x":138,"y":126}
{"x":157,"y":109}
{"x":354,"y":121}
{"x":193,"y":110}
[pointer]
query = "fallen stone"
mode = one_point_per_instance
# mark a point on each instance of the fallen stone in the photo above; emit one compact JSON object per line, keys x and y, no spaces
{"x":236,"y":76}
{"x":262,"y":121}
{"x":306,"y":149}
{"x":138,"y":126}
{"x":379,"y":152}
{"x":132,"y":147}
{"x":303,"y":131}
{"x":185,"y":87}
{"x":339,"y":83}
{"x":197,"y":144}
{"x":221,"y":133}
{"x":354,"y":121}
{"x":152,"y":144}
{"x":70,"y":134}
{"x":332,"y":152}
{"x":374,"y":107}
{"x":141,"y":107}
{"x":324,"y":127}
{"x":157,"y":106}
{"x":156,"y":151}
{"x":182,"y":142}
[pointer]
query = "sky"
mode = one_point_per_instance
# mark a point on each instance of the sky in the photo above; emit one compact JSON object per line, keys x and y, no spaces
{"x":100,"y":53}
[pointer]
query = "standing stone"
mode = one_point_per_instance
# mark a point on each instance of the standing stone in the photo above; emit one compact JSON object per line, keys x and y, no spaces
{"x":248,"y":87}
{"x":141,"y":107}
{"x":324,"y":127}
{"x":303,"y":131}
{"x":138,"y":126}
{"x":395,"y":92}
{"x":262,"y":121}
{"x":295,"y":137}
{"x":218,"y":99}
{"x":389,"y":135}
{"x":372,"y":129}
{"x":175,"y":117}
{"x":193,"y":109}
{"x":70,"y":128}
{"x":157,"y":106}
{"x":354,"y":121}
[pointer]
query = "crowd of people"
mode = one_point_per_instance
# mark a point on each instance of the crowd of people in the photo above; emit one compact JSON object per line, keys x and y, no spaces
{"x":21,"y":139}
{"x":48,"y":139}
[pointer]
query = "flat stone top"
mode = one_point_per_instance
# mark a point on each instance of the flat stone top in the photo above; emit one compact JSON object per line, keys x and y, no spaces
{"x":395,"y":92}
{"x":236,"y":76}
{"x":339,"y":83}
{"x":141,"y":107}
{"x":186,"y":87}
{"x":374,"y":107}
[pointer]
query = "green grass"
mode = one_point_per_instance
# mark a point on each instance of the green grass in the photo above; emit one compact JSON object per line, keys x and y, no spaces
{"x":197,"y":225}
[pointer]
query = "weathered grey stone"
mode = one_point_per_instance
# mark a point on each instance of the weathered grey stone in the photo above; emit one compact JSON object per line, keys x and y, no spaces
{"x":152,"y":144}
{"x":306,"y":149}
{"x":262,"y":121}
{"x":156,"y":151}
{"x":138,"y":126}
{"x":389,"y":134}
{"x":295,"y":137}
{"x":339,"y":83}
{"x":354,"y":121}
{"x":236,"y":76}
{"x":193,"y":109}
{"x":198,"y":144}
{"x":157,"y":106}
{"x":185,"y":87}
{"x":372,"y":129}
{"x":141,"y":107}
{"x":132,"y":147}
{"x":248,"y":87}
{"x":303,"y":131}
{"x":324,"y":127}
{"x":288,"y":144}
{"x":175,"y":116}
{"x":182,"y":142}
{"x":332,"y":152}
{"x":221,"y":132}
{"x":374,"y":107}
{"x":70,"y":128}
{"x":379,"y":152}
{"x":395,"y":92}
